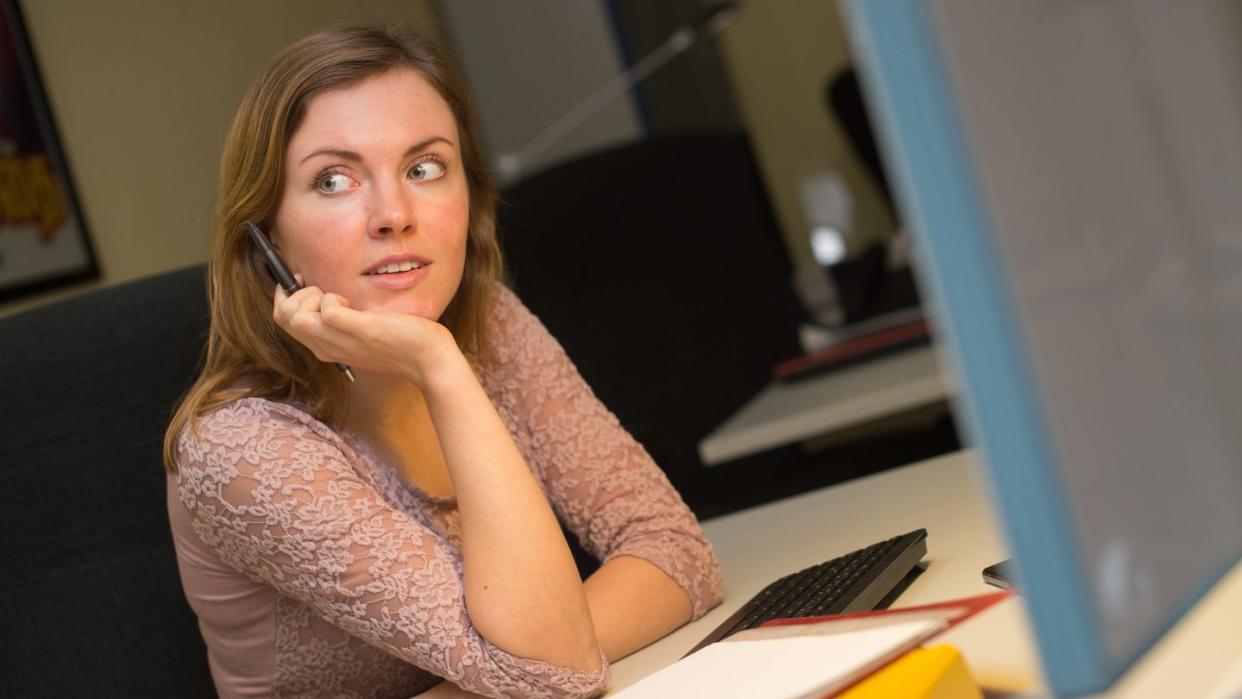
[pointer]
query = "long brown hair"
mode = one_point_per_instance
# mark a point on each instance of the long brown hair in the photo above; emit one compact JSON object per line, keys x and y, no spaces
{"x":247,"y":354}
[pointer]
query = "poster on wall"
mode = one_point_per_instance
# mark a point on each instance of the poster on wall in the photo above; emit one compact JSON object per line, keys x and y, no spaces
{"x":43,"y":238}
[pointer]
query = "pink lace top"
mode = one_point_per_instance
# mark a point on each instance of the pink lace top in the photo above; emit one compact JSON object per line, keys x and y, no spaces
{"x":315,"y":569}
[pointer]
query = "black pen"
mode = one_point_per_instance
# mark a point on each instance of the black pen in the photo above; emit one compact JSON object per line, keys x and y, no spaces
{"x":280,"y":273}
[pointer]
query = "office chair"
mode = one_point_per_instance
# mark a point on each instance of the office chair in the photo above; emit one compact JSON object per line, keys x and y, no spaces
{"x":91,"y":599}
{"x":659,"y":267}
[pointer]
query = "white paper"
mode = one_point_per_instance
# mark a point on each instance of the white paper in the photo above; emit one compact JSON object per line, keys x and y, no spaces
{"x":781,"y":668}
{"x":1230,"y":686}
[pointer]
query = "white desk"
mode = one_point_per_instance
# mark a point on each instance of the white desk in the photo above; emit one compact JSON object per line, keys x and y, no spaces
{"x":791,"y":412}
{"x":943,"y":495}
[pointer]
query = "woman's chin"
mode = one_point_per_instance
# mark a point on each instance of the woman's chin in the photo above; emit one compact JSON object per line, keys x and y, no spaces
{"x":419,"y":308}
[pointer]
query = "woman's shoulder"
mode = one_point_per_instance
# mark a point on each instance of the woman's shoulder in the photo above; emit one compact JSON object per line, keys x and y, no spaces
{"x":255,"y":409}
{"x":506,"y":306}
{"x":253,"y":420}
{"x":512,"y":330}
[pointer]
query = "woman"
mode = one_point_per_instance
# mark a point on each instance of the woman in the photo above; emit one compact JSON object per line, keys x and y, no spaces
{"x":370,"y":538}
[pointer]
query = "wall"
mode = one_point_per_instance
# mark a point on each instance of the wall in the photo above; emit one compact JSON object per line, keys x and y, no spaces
{"x":530,"y":62}
{"x":780,"y":54}
{"x":690,"y":91}
{"x":143,"y":92}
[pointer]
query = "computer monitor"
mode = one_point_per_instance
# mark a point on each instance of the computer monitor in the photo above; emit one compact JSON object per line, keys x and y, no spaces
{"x":1071,"y":174}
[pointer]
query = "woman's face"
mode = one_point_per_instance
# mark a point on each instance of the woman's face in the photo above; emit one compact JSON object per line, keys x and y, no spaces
{"x":375,"y":205}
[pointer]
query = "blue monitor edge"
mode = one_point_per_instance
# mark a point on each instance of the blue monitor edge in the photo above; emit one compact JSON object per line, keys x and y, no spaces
{"x":921,"y":129}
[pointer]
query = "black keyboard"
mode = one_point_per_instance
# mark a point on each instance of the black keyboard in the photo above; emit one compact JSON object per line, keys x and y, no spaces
{"x":858,"y":581}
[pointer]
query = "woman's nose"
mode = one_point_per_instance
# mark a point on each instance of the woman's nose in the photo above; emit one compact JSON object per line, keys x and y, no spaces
{"x":393,"y":211}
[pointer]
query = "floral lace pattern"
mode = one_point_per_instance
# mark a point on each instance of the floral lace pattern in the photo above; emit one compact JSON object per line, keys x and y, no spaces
{"x":359,"y":574}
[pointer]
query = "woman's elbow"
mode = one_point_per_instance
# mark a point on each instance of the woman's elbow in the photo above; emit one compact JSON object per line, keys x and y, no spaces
{"x":565,"y":640}
{"x":714,"y":594}
{"x":706,"y":584}
{"x":526,"y":677}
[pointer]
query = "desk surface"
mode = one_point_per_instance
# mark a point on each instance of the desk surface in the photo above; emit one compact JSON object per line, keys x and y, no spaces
{"x":944,"y":495}
{"x":789,"y":412}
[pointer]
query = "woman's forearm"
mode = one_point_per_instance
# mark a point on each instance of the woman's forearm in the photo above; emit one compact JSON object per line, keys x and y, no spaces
{"x":633,"y":603}
{"x":523,"y":592}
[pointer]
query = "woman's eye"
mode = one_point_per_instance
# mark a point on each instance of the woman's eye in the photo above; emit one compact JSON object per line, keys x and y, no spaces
{"x":427,"y":170}
{"x":332,"y":182}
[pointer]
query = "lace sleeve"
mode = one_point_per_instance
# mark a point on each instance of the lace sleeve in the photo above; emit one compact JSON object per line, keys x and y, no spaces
{"x":600,"y":480}
{"x":272,"y":492}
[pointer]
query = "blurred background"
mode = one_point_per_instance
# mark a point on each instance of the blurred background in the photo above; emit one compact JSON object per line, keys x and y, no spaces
{"x":143,"y":92}
{"x":691,"y":196}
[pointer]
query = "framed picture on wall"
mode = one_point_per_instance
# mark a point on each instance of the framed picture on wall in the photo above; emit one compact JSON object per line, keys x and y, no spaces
{"x":43,"y":236}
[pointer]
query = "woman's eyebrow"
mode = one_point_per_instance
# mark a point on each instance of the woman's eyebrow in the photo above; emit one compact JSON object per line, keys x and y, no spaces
{"x":355,"y":157}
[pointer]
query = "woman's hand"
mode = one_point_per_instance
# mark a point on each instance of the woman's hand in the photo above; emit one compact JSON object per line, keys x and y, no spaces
{"x":392,"y":343}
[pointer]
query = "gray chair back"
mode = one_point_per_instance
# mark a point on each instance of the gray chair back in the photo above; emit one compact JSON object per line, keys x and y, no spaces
{"x":91,"y":601}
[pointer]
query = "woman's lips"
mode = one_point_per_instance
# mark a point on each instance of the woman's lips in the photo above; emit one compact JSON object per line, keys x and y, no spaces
{"x":399,"y":280}
{"x":397,"y":260}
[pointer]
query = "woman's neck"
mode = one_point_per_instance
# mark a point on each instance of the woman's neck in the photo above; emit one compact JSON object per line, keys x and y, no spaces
{"x":392,"y":417}
{"x":380,"y":404}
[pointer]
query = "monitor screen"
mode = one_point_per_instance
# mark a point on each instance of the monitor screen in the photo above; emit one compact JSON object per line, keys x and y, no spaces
{"x":1072,"y":174}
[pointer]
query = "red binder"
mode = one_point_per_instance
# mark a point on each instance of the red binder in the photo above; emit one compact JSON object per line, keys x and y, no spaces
{"x":850,"y":351}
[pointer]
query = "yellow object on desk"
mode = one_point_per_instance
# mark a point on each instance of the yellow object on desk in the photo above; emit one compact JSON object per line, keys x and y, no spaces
{"x":938,"y":672}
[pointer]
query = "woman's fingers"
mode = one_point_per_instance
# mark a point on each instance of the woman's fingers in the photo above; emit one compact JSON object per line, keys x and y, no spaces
{"x":336,"y":313}
{"x":329,"y":327}
{"x":299,"y":311}
{"x":307,"y":315}
{"x":332,"y":302}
